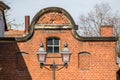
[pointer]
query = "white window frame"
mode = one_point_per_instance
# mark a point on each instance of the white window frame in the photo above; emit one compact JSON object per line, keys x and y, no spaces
{"x":53,"y":45}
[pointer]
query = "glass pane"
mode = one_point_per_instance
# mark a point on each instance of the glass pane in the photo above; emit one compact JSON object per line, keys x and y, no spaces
{"x":42,"y":58}
{"x":49,"y":42}
{"x":65,"y":58}
{"x":56,"y":49}
{"x":49,"y":49}
{"x":56,"y":41}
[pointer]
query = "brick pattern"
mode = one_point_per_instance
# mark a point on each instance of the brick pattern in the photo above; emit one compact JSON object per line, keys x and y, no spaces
{"x":14,"y":33}
{"x":102,"y":61}
{"x":84,"y":61}
{"x":106,"y":31}
{"x":53,"y":18}
{"x":20,"y":64}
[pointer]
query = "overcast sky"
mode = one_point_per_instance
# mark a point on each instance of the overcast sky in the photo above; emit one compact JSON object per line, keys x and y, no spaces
{"x":20,"y":8}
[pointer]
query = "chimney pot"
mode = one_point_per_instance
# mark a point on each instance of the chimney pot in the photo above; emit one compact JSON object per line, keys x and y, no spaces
{"x":27,"y":23}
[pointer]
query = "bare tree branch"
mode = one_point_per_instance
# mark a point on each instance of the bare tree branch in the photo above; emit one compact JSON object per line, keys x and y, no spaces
{"x":100,"y":15}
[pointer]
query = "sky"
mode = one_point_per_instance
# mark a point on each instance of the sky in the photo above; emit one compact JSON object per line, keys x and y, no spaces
{"x":20,"y":8}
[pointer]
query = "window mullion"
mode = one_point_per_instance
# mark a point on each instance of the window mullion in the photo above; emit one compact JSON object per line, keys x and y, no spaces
{"x":59,"y":45}
{"x":56,"y":45}
{"x":53,"y":45}
{"x":49,"y":45}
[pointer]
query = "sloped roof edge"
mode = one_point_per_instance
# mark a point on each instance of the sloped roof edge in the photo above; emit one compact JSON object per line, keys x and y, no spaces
{"x":4,"y":6}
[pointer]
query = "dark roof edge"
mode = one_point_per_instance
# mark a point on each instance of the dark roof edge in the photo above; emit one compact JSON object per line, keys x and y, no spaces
{"x":7,"y":39}
{"x":82,"y":39}
{"x":106,"y":25}
{"x":75,"y":34}
{"x":4,"y":5}
{"x":90,"y":39}
{"x":21,"y":39}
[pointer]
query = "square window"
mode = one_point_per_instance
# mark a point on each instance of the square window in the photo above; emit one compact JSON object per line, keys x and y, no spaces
{"x":49,"y":42}
{"x":49,"y":49}
{"x":56,"y":42}
{"x":52,"y":45}
{"x":56,"y":49}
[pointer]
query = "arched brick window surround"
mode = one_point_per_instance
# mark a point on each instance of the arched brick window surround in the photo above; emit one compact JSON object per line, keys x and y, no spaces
{"x":84,"y":59}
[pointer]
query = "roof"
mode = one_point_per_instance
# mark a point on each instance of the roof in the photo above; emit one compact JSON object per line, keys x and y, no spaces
{"x":81,"y":38}
{"x":4,"y":6}
{"x":73,"y":25}
{"x":14,"y":33}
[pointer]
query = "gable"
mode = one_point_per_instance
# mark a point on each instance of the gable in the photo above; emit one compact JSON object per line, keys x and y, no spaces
{"x":53,"y":18}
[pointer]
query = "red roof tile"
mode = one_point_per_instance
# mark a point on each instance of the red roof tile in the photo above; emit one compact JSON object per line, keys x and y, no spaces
{"x":14,"y":33}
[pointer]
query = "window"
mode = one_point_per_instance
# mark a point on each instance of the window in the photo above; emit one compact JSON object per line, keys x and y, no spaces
{"x":53,"y":45}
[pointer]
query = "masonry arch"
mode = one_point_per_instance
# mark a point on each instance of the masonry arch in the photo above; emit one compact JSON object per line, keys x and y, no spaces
{"x":51,"y":10}
{"x":67,"y":23}
{"x":84,"y":59}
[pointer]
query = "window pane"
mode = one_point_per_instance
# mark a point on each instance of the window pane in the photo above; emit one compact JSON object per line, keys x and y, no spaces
{"x":49,"y":42}
{"x":56,"y":49}
{"x":56,"y":41}
{"x":49,"y":49}
{"x":52,"y":45}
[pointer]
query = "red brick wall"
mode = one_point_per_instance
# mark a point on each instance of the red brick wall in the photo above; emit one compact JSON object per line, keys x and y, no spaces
{"x":102,"y":62}
{"x":106,"y":31}
{"x":53,"y":18}
{"x":84,"y":60}
{"x":9,"y":63}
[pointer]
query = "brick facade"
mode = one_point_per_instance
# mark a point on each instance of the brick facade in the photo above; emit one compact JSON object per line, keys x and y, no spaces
{"x":92,"y":58}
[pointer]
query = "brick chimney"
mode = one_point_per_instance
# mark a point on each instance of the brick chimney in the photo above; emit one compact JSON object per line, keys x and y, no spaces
{"x":27,"y":23}
{"x":106,"y":31}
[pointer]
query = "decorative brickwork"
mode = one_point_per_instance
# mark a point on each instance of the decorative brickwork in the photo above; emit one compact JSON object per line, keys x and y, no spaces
{"x":84,"y":60}
{"x":53,"y":18}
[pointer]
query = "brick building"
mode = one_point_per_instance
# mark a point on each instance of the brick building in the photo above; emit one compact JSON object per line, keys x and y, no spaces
{"x":92,"y":58}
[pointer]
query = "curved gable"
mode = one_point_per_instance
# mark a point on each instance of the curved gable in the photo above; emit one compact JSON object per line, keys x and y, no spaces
{"x":53,"y":11}
{"x":53,"y":18}
{"x":56,"y":18}
{"x":50,"y":18}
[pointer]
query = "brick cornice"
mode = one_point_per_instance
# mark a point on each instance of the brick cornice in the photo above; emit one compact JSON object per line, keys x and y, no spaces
{"x":81,"y":38}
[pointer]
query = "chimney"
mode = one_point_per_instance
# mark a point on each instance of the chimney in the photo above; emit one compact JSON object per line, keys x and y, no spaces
{"x":27,"y":23}
{"x":106,"y":31}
